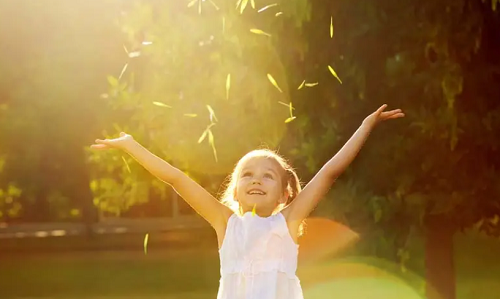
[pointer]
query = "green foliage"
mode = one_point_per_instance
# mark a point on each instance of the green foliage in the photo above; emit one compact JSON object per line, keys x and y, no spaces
{"x":203,"y":71}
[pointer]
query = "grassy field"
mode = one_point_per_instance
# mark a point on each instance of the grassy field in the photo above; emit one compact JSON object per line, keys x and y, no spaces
{"x":49,"y":270}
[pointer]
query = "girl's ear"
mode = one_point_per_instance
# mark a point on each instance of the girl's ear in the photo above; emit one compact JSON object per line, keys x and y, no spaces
{"x":284,"y":198}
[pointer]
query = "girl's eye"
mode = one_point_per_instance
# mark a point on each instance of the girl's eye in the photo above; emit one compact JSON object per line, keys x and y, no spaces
{"x":269,"y":176}
{"x":245,"y":174}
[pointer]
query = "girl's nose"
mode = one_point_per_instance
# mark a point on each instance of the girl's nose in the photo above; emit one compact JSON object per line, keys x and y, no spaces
{"x":255,"y":181}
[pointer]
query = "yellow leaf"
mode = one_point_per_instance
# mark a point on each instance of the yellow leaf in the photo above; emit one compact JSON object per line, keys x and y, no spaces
{"x":243,"y":5}
{"x":311,"y":84}
{"x":212,"y":114}
{"x":254,"y":208}
{"x":334,"y":74}
{"x":291,"y":109}
{"x":212,"y":144}
{"x":290,"y":119}
{"x":278,"y":14}
{"x":285,"y":104}
{"x":190,"y":114}
{"x":271,"y":79}
{"x":161,"y":104}
{"x":267,"y":7}
{"x":301,"y":85}
{"x":214,"y":5}
{"x":192,"y":3}
{"x":199,"y":7}
{"x":252,"y":2}
{"x":202,"y":137}
{"x":331,"y":27}
{"x":126,"y":164}
{"x":223,"y":25}
{"x":146,"y":238}
{"x":228,"y":85}
{"x":123,"y":71}
{"x":260,"y":32}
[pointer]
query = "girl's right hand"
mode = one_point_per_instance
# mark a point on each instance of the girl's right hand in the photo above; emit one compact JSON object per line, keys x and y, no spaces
{"x":119,"y":143}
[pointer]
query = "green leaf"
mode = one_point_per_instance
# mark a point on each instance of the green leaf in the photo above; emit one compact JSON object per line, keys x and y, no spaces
{"x":271,"y":79}
{"x":334,"y":74}
{"x":160,"y":104}
{"x":259,"y":32}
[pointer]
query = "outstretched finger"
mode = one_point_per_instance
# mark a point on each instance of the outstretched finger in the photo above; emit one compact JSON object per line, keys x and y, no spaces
{"x":382,"y":108}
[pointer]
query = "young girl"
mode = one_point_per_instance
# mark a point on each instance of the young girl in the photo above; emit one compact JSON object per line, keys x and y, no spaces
{"x":258,"y":221}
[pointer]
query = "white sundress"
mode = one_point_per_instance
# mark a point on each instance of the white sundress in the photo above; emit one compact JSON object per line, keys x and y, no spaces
{"x":258,"y":259}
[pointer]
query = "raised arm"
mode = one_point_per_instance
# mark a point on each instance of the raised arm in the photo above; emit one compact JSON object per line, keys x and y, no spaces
{"x":196,"y":196}
{"x":317,"y":188}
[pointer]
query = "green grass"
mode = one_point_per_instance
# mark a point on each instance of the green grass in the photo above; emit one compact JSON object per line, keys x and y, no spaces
{"x":117,"y":268}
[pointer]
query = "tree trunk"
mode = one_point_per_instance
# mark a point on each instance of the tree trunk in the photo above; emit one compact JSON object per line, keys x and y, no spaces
{"x":439,"y":258}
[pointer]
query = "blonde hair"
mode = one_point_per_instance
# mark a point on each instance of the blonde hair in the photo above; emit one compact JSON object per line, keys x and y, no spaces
{"x":289,"y":178}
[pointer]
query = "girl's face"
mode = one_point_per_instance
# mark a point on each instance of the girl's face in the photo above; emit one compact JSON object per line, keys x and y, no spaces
{"x":260,"y":185}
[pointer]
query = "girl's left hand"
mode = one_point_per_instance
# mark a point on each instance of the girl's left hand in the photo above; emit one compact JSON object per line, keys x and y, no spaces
{"x":381,"y":115}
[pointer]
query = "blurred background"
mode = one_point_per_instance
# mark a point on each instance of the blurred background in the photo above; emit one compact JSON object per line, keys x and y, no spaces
{"x":200,"y":83}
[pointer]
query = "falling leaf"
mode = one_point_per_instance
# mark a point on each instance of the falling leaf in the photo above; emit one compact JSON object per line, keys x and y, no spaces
{"x":334,"y":74}
{"x":212,"y":144}
{"x":147,"y":43}
{"x":260,"y":32}
{"x":301,"y":85}
{"x":146,"y":237}
{"x":161,"y":104}
{"x":214,"y":5}
{"x":134,"y":54}
{"x":123,"y":71}
{"x":243,"y":5}
{"x":228,"y":85}
{"x":267,"y":7}
{"x":238,"y":3}
{"x":190,"y":114}
{"x":291,"y":109}
{"x":331,"y":27}
{"x":125,"y":48}
{"x":223,"y":25}
{"x":252,"y":2}
{"x":285,"y":104}
{"x":278,"y":14}
{"x":199,"y":7}
{"x":202,"y":137}
{"x":212,"y":114}
{"x":271,"y":79}
{"x":126,"y":164}
{"x":290,"y":119}
{"x":192,"y":3}
{"x":311,"y":84}
{"x":254,"y":209}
